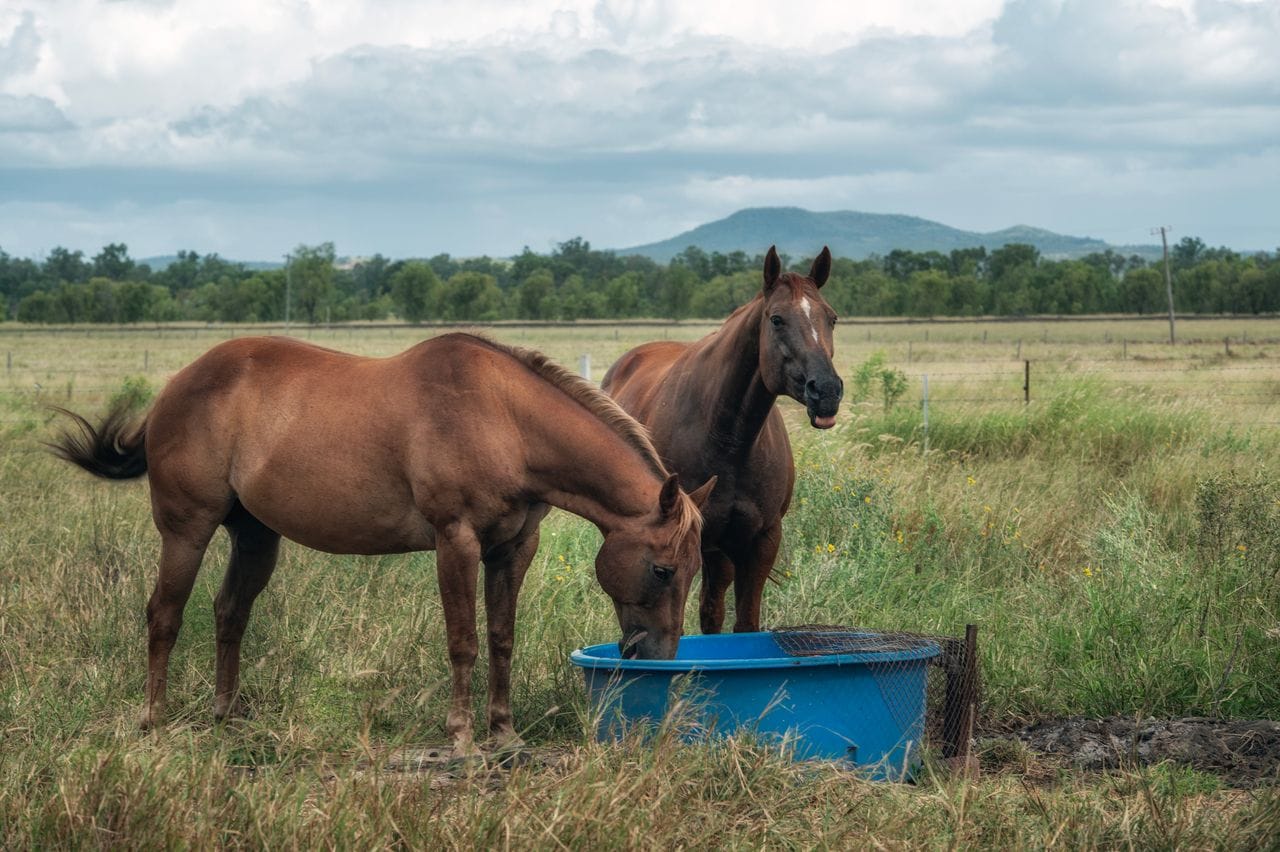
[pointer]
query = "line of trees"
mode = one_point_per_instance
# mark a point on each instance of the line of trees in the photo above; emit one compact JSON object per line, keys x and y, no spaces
{"x":577,"y":282}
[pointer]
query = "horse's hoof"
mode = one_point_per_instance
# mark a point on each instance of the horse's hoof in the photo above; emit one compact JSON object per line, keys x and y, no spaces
{"x":149,"y":720}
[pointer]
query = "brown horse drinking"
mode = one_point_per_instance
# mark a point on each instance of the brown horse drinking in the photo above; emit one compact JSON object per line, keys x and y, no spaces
{"x":710,"y":408}
{"x":459,"y":444}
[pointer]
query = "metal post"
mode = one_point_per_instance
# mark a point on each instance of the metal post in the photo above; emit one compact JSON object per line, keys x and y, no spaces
{"x":146,"y":360}
{"x":960,"y":703}
{"x":926,"y":413}
{"x":1168,"y":281}
{"x":1026,"y":383}
{"x":584,"y":365}
{"x":288,"y":288}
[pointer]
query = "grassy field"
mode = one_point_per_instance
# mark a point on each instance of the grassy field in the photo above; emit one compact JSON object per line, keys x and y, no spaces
{"x":1117,"y":540}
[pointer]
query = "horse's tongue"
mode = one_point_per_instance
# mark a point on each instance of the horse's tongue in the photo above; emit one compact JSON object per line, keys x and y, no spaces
{"x":824,"y":422}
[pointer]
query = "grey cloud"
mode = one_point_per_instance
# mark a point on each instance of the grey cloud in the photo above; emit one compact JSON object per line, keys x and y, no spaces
{"x":476,"y":149}
{"x":30,"y":114}
{"x":20,"y":52}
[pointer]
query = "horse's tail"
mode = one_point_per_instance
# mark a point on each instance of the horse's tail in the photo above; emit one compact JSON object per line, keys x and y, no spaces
{"x":115,"y":449}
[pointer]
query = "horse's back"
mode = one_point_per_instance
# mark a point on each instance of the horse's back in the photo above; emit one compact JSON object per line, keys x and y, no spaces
{"x":316,"y":443}
{"x":634,"y":378}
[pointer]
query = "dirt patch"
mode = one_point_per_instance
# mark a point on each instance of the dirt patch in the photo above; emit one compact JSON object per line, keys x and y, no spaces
{"x":1242,"y":753}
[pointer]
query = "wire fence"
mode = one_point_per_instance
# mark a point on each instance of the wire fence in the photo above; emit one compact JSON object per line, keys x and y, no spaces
{"x":1244,"y":391}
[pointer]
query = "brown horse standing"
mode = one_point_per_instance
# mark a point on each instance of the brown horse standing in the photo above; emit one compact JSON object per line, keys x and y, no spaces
{"x":459,"y":445}
{"x":710,"y":408}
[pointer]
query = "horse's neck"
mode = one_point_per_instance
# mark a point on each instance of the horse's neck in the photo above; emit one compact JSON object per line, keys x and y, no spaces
{"x":724,"y":370}
{"x":582,"y":466}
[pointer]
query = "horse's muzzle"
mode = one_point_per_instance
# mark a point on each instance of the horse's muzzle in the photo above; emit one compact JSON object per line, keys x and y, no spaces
{"x":822,"y":400}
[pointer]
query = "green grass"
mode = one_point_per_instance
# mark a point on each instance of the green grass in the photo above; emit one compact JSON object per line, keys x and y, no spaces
{"x":1118,"y":547}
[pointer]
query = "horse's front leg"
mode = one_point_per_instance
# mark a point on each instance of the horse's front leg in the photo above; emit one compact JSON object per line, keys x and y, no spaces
{"x":457,"y":567}
{"x":504,"y":572}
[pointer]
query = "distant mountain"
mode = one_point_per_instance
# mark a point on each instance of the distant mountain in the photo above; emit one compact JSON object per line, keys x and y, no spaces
{"x":803,"y":233}
{"x":160,"y":262}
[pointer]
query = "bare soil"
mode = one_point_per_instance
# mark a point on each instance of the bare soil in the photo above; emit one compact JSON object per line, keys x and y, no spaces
{"x":1242,"y":753}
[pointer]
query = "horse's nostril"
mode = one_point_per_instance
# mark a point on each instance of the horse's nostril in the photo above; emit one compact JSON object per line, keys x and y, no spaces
{"x":811,"y":388}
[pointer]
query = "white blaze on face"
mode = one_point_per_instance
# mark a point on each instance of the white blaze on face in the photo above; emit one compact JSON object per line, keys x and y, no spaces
{"x":808,"y":310}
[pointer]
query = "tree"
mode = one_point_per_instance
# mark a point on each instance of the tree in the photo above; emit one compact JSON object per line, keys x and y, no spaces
{"x":312,"y":270}
{"x":1008,"y":258}
{"x":182,"y":273}
{"x":64,"y":265}
{"x":415,"y":291}
{"x":471,"y":296}
{"x":113,"y":262}
{"x":1186,"y":253}
{"x":533,"y":297}
{"x":40,"y":307}
{"x":929,"y":293}
{"x":677,"y":291}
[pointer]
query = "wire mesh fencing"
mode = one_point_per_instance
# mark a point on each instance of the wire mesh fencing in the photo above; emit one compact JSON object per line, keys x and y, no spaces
{"x":928,"y":684}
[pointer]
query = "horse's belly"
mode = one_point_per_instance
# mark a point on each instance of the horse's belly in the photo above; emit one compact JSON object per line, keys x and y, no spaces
{"x":337,"y":525}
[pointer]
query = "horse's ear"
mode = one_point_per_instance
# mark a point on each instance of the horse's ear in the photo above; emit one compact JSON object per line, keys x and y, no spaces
{"x":821,"y":268}
{"x":703,"y":493}
{"x":669,"y":497}
{"x":772,"y":269}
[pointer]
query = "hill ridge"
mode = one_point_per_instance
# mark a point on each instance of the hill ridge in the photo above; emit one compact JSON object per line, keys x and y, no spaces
{"x":858,"y":234}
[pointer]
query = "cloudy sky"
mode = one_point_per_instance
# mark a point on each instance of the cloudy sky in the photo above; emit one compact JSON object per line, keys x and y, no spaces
{"x":412,"y":127}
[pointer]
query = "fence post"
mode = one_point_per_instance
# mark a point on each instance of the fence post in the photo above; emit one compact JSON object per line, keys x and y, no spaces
{"x":1124,"y":351}
{"x":1026,"y":382}
{"x":908,"y":351}
{"x":926,"y":414}
{"x":584,"y":365}
{"x":960,"y":659}
{"x":146,"y":360}
{"x":1226,"y":345}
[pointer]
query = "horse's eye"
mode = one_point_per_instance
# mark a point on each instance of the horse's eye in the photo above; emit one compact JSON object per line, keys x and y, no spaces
{"x":662,"y":572}
{"x":776,"y":320}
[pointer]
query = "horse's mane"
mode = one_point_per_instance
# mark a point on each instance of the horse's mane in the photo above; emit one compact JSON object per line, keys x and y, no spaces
{"x":589,"y":397}
{"x":626,"y":427}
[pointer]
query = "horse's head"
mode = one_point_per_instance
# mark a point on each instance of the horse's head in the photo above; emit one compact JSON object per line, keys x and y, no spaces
{"x":647,"y":568}
{"x":797,"y":338}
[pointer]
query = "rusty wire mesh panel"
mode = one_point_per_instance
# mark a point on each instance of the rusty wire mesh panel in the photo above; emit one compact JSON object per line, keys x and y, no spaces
{"x":946,"y":711}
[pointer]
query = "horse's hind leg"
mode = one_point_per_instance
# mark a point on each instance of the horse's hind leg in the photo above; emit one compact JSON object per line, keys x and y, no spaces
{"x":254,"y":549}
{"x":180,"y":555}
{"x":504,"y":570}
{"x":457,"y":566}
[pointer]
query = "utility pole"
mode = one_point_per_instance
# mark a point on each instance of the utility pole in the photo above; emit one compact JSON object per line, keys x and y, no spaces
{"x":1168,"y":279}
{"x":288,"y":288}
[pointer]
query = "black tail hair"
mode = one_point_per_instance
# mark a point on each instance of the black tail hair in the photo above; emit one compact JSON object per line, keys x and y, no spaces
{"x":115,"y":449}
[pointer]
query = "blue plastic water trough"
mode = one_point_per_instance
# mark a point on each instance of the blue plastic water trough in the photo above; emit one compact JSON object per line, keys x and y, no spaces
{"x":865,"y":707}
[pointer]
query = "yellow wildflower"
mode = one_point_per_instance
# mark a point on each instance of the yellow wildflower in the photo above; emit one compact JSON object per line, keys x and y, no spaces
{"x":971,"y":480}
{"x":831,"y":548}
{"x":1088,"y":572}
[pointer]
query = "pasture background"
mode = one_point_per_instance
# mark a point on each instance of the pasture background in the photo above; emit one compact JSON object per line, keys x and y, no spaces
{"x":1117,"y":540}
